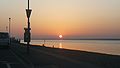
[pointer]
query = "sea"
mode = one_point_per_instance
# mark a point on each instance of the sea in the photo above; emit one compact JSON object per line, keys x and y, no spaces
{"x":99,"y":46}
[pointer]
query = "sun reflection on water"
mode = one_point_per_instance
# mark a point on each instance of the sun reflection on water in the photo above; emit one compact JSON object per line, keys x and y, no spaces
{"x":60,"y":45}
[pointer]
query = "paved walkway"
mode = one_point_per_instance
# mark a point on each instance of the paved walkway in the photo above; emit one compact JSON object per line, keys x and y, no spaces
{"x":9,"y":60}
{"x":42,"y":59}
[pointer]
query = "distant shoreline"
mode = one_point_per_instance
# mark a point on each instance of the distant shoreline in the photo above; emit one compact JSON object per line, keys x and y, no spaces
{"x":75,"y":39}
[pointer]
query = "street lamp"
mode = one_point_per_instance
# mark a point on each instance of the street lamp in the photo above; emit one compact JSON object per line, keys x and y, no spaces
{"x":9,"y":31}
{"x":27,"y":35}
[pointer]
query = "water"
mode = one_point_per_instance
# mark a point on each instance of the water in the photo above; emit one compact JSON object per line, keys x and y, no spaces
{"x":100,"y":46}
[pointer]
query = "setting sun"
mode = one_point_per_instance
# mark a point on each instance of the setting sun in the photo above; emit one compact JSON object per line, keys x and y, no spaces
{"x":60,"y":36}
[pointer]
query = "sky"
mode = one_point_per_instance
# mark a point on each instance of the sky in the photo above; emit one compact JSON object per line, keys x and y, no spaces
{"x":74,"y":19}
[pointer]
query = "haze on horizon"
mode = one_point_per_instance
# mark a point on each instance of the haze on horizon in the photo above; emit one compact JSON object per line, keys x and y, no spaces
{"x":70,"y":18}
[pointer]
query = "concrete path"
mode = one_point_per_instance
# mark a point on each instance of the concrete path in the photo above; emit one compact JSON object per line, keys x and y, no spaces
{"x":45,"y":57}
{"x":42,"y":59}
{"x":9,"y":60}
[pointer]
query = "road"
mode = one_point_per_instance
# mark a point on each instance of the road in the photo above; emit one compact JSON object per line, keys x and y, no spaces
{"x":8,"y":59}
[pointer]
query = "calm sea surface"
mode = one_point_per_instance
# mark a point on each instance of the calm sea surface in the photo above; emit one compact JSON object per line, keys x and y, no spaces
{"x":101,"y":46}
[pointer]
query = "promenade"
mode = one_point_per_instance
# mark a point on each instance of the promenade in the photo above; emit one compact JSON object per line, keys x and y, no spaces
{"x":46,"y":57}
{"x":8,"y":59}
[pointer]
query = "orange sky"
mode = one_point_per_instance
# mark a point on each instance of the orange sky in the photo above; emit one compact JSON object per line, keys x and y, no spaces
{"x":71,"y":18}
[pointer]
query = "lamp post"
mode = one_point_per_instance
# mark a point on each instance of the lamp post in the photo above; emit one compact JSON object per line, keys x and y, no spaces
{"x":27,"y":34}
{"x":9,"y":31}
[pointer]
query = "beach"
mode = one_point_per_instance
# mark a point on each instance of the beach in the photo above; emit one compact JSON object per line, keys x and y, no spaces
{"x":99,"y":46}
{"x":60,"y":34}
{"x":47,"y":57}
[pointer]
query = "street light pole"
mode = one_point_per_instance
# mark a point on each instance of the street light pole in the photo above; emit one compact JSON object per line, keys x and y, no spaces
{"x":27,"y":34}
{"x":9,"y":31}
{"x":28,"y":17}
{"x":28,"y":4}
{"x":28,"y":43}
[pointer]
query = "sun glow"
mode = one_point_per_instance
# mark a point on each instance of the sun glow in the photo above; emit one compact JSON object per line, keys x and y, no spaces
{"x":60,"y":36}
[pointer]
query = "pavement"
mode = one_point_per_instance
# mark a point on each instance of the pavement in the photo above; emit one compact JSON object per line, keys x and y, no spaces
{"x":45,"y":57}
{"x":8,"y":59}
{"x":37,"y":58}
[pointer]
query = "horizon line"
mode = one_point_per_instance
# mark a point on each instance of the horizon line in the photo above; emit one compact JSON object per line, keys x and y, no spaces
{"x":73,"y":39}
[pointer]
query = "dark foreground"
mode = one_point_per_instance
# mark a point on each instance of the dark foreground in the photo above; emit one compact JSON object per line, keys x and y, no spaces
{"x":9,"y":59}
{"x":45,"y":57}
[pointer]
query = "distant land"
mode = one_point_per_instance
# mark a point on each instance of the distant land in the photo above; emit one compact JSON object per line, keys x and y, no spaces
{"x":70,"y":39}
